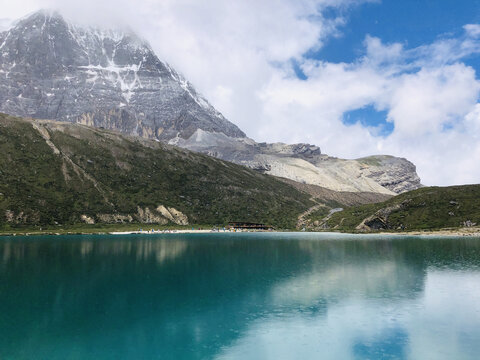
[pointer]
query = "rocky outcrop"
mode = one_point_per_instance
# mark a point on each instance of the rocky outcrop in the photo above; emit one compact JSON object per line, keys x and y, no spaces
{"x":378,"y":221}
{"x":114,"y":218}
{"x":300,"y":150}
{"x":173,"y":215}
{"x":87,"y":219}
{"x":395,"y":174}
{"x":147,"y":216}
{"x":21,"y":217}
{"x":161,"y":215}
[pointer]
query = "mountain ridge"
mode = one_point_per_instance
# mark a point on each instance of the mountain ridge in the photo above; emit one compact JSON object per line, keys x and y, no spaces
{"x":52,"y":69}
{"x":61,"y":173}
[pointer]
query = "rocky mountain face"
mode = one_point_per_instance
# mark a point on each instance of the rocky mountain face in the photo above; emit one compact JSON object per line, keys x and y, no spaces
{"x":306,"y":164}
{"x":52,"y":69}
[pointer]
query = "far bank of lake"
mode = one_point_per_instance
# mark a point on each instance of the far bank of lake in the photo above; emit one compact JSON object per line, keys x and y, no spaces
{"x":112,"y":229}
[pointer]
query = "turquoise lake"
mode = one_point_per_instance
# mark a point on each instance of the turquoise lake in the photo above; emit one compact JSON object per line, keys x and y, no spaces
{"x":239,"y":296}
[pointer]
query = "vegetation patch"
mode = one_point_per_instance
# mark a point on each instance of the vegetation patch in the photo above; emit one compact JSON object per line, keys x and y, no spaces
{"x":100,"y":175}
{"x":429,"y":208}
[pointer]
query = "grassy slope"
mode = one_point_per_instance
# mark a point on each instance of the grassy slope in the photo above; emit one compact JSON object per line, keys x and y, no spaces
{"x":100,"y":172}
{"x":427,"y":208}
{"x":328,"y":199}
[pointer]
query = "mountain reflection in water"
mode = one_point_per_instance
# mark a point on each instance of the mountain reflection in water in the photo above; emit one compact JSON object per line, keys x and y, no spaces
{"x":239,"y":296}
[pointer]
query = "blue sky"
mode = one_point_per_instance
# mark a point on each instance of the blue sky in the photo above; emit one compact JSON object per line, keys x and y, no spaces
{"x":412,"y":23}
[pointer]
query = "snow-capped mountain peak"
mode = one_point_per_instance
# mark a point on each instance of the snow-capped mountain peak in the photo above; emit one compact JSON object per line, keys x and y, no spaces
{"x":108,"y":78}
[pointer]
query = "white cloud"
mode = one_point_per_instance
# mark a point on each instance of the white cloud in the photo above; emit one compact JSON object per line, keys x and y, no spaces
{"x":238,"y":53}
{"x":428,"y":94}
{"x":472,"y":29}
{"x":425,"y":102}
{"x":5,"y":24}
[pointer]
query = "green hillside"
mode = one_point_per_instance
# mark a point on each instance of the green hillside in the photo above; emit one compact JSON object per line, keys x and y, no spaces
{"x":65,"y":174}
{"x":428,"y":208}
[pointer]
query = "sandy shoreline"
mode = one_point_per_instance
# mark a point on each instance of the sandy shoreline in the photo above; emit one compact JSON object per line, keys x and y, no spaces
{"x":464,"y":232}
{"x":164,"y":232}
{"x":473,"y":232}
{"x":470,"y":232}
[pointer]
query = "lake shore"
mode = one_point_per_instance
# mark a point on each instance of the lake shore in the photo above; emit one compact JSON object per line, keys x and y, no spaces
{"x":445,"y":232}
{"x":474,"y":232}
{"x":146,"y":232}
{"x":460,"y":232}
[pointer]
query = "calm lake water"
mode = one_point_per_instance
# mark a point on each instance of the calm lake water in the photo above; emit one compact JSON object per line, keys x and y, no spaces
{"x":239,"y":296}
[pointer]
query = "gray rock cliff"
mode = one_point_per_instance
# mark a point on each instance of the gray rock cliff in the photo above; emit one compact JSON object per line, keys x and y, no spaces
{"x":51,"y":69}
